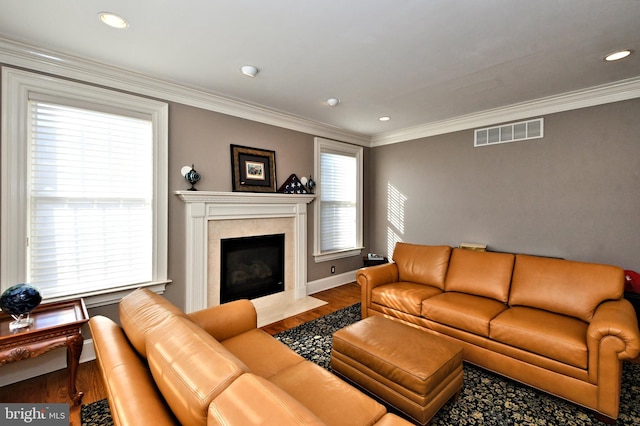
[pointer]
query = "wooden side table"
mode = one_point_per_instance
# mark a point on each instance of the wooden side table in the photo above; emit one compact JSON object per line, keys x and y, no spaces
{"x":54,"y":325}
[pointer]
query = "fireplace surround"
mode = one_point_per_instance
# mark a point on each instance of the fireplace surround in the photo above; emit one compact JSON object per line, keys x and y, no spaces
{"x":211,"y":216}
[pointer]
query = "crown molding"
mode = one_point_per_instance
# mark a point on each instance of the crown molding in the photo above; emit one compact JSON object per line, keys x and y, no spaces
{"x":598,"y":95}
{"x":19,"y":54}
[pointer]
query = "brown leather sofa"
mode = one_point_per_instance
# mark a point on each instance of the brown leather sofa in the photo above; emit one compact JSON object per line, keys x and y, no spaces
{"x":163,"y":367}
{"x":559,"y":326}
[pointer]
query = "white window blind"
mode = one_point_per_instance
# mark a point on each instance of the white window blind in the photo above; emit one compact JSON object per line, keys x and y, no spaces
{"x":338,"y":207}
{"x":90,"y":219}
{"x":338,"y":202}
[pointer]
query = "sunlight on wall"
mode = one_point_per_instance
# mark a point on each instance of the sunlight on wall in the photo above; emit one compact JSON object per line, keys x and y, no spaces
{"x":395,"y":217}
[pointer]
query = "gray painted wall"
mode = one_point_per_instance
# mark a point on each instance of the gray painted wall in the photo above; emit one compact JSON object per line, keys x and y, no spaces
{"x":574,"y":194}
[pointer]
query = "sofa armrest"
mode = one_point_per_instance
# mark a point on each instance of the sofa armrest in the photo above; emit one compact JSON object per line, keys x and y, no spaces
{"x":615,"y":318}
{"x":227,"y":320}
{"x":612,"y":336}
{"x":372,"y":277}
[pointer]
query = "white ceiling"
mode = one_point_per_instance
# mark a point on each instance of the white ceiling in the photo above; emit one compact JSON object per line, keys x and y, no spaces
{"x":417,"y":61}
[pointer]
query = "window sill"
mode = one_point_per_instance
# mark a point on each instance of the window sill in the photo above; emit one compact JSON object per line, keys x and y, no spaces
{"x":93,"y":299}
{"x":326,"y":257}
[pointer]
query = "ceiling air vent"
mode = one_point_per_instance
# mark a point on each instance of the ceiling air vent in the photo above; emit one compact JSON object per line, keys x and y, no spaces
{"x":513,"y":132}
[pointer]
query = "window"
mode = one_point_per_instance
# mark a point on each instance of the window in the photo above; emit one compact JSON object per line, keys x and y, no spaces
{"x":338,"y":207}
{"x":84,"y":189}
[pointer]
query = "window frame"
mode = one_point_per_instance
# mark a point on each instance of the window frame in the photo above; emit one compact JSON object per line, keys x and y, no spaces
{"x":17,"y":88}
{"x":326,"y":145}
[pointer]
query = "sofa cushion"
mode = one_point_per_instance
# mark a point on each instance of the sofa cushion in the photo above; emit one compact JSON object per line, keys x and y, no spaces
{"x":486,"y":274}
{"x":555,"y":336}
{"x":189,"y":367}
{"x":133,"y":396}
{"x":422,"y":264}
{"x":463,"y":311}
{"x":273,"y":356}
{"x":565,"y":287}
{"x":403,"y":296}
{"x":248,"y":400}
{"x":331,"y":399}
{"x":141,"y":311}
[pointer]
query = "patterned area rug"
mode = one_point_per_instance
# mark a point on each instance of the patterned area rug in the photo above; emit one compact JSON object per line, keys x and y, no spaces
{"x":486,"y":399}
{"x":96,"y":414}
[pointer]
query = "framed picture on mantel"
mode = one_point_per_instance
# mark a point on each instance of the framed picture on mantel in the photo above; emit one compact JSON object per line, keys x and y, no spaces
{"x":252,"y":169}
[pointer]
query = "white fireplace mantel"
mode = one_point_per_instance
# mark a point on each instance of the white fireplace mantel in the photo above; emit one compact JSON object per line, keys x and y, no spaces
{"x":204,"y":206}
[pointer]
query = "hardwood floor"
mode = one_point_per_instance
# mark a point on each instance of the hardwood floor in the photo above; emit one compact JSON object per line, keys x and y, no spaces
{"x":52,"y":387}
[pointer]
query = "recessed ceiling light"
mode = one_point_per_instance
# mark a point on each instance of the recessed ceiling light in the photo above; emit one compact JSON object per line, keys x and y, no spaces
{"x":113,"y":20}
{"x":384,"y":118}
{"x":333,"y":101}
{"x":249,"y":70}
{"x":615,"y":56}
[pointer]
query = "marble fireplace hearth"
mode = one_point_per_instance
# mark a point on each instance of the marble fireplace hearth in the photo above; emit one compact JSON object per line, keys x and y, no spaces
{"x":212,"y":216}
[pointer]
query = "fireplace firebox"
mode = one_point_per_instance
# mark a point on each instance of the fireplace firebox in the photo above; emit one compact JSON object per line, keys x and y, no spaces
{"x":251,"y":267}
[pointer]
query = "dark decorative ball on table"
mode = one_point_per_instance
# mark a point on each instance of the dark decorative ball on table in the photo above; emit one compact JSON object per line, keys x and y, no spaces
{"x":20,"y":299}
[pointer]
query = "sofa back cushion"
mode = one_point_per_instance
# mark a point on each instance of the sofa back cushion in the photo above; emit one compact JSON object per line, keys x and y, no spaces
{"x":141,"y":311}
{"x":422,"y":264}
{"x":189,"y":367}
{"x":565,"y":287}
{"x":133,"y":396}
{"x":485,"y":274}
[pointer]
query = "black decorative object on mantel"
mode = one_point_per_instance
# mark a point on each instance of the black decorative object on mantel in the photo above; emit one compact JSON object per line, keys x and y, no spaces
{"x":18,"y":301}
{"x":293,"y":185}
{"x":191,"y":176}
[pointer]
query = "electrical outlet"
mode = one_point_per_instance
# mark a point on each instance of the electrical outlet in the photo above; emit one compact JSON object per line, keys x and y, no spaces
{"x":333,"y":269}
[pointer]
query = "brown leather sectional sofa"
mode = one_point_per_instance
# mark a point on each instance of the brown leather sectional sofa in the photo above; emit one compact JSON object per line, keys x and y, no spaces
{"x":214,"y":367}
{"x":559,"y":326}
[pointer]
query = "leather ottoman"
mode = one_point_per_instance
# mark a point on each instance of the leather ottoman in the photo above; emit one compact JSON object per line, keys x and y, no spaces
{"x":412,"y":370}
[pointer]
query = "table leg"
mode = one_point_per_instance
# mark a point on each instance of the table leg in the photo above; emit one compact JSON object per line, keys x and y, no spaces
{"x":74,"y":349}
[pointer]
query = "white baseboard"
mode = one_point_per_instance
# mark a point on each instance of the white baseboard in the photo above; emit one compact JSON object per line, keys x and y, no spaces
{"x":330,"y":282}
{"x":51,"y":361}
